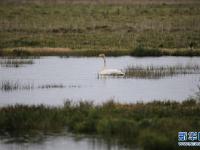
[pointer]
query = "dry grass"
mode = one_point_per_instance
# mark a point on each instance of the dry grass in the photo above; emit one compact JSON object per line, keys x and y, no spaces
{"x":44,"y":49}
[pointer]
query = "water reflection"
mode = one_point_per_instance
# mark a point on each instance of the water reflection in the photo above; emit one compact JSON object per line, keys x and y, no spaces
{"x":58,"y":141}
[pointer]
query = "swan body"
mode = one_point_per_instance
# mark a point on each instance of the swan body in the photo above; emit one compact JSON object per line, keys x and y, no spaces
{"x":109,"y":72}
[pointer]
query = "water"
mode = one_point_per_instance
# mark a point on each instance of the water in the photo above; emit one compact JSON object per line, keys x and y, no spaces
{"x":60,"y":142}
{"x":80,"y":81}
{"x":79,"y":76}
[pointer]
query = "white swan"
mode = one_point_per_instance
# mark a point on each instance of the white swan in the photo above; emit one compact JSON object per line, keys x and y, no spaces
{"x":109,"y":72}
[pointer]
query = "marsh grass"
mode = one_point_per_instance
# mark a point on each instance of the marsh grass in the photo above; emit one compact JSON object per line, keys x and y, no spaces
{"x":74,"y":86}
{"x":65,"y":52}
{"x":100,"y":27}
{"x":135,"y":2}
{"x":15,"y":85}
{"x":147,"y":125}
{"x":15,"y":62}
{"x":95,"y":53}
{"x":48,"y":86}
{"x":155,"y":72}
{"x":9,"y":85}
{"x":140,"y":51}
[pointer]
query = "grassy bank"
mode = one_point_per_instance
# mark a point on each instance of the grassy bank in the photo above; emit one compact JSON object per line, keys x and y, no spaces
{"x":153,"y":125}
{"x":138,"y":51}
{"x":105,"y":27}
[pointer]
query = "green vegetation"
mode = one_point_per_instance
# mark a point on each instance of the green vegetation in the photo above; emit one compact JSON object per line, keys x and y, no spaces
{"x":138,"y":51}
{"x":152,"y":125}
{"x":102,"y":27}
{"x":156,"y":72}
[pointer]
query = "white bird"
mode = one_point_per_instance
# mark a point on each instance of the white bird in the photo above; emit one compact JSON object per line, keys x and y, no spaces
{"x":109,"y":72}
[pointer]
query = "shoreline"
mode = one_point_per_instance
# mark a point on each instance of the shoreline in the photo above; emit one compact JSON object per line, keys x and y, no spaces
{"x":147,"y":125}
{"x":138,"y":52}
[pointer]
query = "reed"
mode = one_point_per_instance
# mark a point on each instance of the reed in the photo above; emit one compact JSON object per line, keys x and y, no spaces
{"x":8,"y":85}
{"x":16,"y":62}
{"x":15,"y":85}
{"x":48,"y":86}
{"x":156,"y":72}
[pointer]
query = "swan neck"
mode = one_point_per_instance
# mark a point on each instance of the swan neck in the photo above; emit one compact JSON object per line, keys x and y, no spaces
{"x":104,"y":60}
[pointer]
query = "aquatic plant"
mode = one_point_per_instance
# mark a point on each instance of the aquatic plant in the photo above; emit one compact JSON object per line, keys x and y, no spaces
{"x":15,"y":62}
{"x":161,"y":71}
{"x":48,"y":86}
{"x":8,"y":85}
{"x":74,"y":86}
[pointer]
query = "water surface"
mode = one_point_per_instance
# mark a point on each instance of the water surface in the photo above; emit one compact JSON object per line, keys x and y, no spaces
{"x":79,"y":76}
{"x":59,"y":142}
{"x":80,"y":82}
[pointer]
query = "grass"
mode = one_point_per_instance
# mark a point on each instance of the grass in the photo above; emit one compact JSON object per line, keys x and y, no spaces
{"x":152,"y":125}
{"x":138,"y":51}
{"x":161,"y":71}
{"x":88,"y":28}
{"x":141,"y":2}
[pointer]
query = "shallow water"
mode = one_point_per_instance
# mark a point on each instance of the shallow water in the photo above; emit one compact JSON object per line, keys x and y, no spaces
{"x":79,"y":79}
{"x":79,"y":76}
{"x":59,"y":142}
